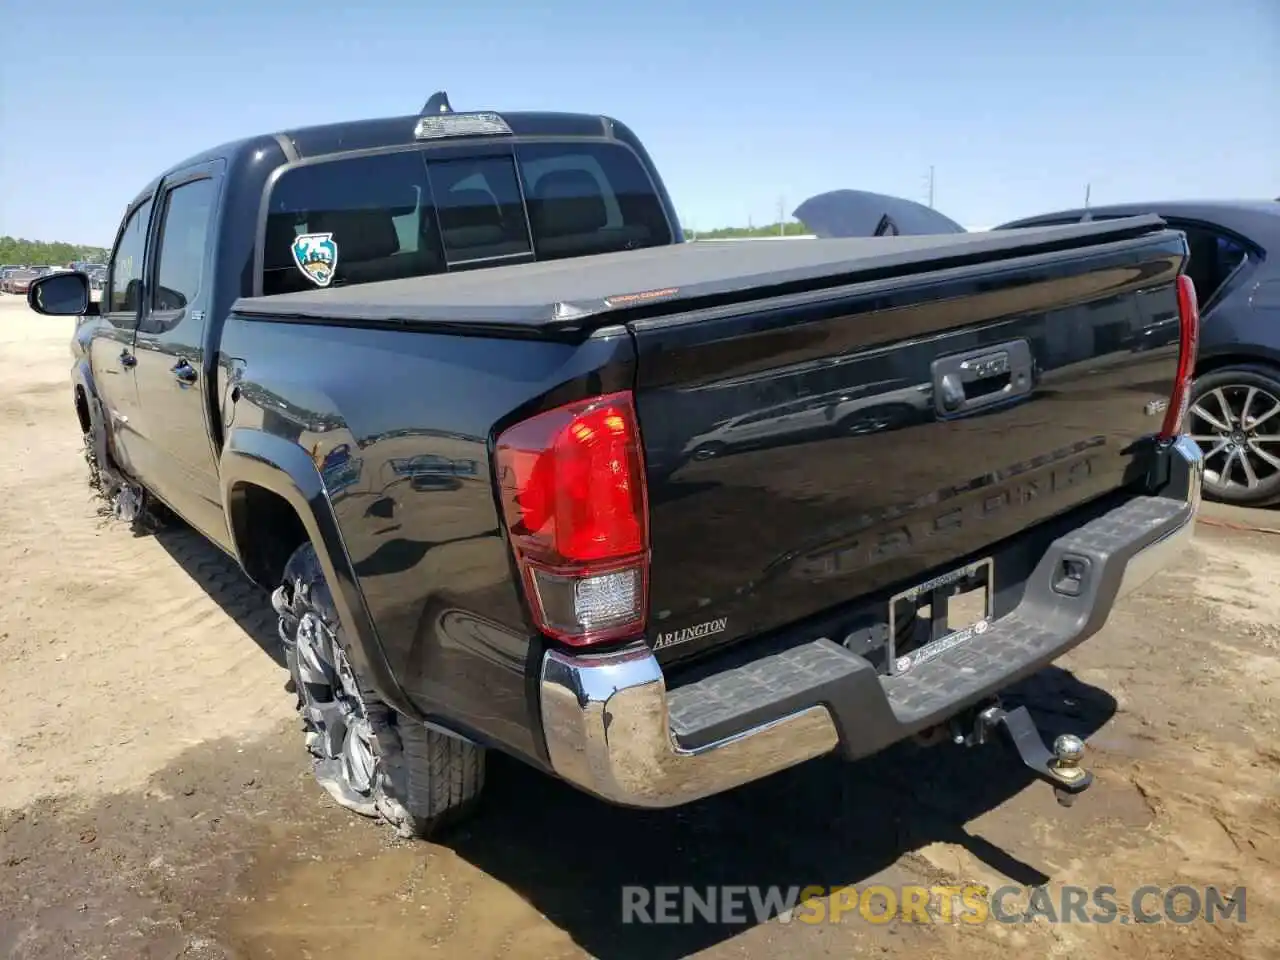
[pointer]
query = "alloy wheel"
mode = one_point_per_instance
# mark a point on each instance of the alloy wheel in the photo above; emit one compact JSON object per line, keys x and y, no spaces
{"x":338,"y":732}
{"x":1238,"y":428}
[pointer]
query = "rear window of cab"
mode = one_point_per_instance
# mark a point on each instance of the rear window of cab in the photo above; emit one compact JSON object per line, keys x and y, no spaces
{"x":414,"y":213}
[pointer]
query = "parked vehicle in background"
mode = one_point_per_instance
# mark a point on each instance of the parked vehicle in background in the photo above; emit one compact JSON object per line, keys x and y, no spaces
{"x":435,"y":380}
{"x":861,"y":213}
{"x":18,"y":281}
{"x":22,"y":276}
{"x":850,"y":409}
{"x":97,"y":281}
{"x":1235,"y":404}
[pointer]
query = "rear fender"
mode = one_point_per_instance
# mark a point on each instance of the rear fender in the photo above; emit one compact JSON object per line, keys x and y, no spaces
{"x":254,"y":458}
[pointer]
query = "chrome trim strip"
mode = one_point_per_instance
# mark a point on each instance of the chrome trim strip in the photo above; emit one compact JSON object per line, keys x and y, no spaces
{"x":1156,"y":557}
{"x":1190,"y":453}
{"x":1161,"y":554}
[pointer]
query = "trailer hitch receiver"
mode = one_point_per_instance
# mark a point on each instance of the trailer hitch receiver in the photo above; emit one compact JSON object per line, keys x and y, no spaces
{"x":1060,"y":767}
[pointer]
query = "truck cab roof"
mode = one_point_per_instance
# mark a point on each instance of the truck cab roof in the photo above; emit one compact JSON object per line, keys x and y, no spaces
{"x":349,"y":136}
{"x":391,"y":215}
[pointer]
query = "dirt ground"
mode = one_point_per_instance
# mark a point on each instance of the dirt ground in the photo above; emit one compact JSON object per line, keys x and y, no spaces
{"x":155,"y":801}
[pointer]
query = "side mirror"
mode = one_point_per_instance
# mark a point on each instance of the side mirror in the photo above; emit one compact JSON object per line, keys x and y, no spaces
{"x":60,"y":295}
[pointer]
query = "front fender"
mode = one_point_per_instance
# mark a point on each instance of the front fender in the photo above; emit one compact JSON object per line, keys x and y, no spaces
{"x":93,"y":418}
{"x":82,"y":383}
{"x":252,"y":457}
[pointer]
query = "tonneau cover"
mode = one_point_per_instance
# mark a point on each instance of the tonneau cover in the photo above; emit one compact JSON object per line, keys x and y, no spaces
{"x":565,"y":293}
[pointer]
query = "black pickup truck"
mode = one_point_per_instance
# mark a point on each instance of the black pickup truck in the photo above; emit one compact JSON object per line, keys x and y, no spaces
{"x":525,"y":471}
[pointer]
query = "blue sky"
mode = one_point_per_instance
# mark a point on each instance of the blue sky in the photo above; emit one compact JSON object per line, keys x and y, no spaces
{"x":1017,"y":104}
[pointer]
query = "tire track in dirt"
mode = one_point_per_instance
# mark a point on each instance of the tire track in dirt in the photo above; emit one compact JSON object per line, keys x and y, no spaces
{"x":116,"y":651}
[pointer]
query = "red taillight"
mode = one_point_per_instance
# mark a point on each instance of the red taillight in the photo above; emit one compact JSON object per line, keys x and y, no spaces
{"x":572,"y":486}
{"x":1188,"y":344}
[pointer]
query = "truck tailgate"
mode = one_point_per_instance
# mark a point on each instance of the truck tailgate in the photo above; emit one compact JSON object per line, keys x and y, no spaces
{"x":804,"y":451}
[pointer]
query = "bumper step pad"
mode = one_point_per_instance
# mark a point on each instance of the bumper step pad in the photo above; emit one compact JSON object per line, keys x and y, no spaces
{"x":872,"y":711}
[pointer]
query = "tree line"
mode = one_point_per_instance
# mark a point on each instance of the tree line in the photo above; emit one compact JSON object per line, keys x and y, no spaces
{"x":38,"y":253}
{"x":789,"y":228}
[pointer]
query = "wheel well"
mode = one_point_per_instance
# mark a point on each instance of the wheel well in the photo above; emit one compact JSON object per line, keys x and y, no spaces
{"x":1233,"y":360}
{"x":82,"y":410}
{"x":267,"y":530}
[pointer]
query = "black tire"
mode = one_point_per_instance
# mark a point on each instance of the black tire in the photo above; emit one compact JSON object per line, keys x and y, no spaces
{"x":1239,"y":467}
{"x":419,"y":780}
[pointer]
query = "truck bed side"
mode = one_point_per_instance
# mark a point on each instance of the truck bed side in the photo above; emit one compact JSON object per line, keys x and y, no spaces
{"x":399,"y":426}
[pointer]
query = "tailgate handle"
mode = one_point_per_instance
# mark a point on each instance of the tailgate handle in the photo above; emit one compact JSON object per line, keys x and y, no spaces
{"x":980,"y":378}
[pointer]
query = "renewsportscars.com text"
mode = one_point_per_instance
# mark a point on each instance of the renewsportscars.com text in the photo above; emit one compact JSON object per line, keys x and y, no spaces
{"x":968,"y":904}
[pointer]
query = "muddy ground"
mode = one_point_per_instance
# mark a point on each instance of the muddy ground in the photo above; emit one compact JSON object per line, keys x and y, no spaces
{"x":155,"y":802}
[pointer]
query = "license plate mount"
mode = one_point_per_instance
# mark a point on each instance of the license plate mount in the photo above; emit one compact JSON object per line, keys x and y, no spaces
{"x":931,"y":618}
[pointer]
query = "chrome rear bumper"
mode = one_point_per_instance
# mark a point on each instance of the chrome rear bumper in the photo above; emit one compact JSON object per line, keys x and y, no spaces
{"x":608,"y":732}
{"x":608,"y":727}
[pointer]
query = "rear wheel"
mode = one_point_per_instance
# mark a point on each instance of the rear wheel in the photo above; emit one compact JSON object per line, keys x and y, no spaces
{"x":1235,"y":418}
{"x":875,"y":419}
{"x":368,"y":757}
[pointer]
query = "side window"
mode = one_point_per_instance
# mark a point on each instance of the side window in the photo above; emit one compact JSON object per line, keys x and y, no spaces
{"x":1214,"y":257}
{"x":479,"y":208}
{"x":126,"y":263}
{"x":587,"y":198}
{"x":363,"y":219}
{"x":183,"y":238}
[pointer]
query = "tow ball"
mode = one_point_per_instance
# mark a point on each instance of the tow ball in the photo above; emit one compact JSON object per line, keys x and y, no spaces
{"x":1060,"y":768}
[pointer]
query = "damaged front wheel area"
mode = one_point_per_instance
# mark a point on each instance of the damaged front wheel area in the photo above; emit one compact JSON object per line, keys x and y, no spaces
{"x":364,"y":754}
{"x":125,"y":500}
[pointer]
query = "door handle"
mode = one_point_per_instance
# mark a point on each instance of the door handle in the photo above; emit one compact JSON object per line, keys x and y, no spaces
{"x":982,"y":378}
{"x":184,"y":372}
{"x":127,"y":359}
